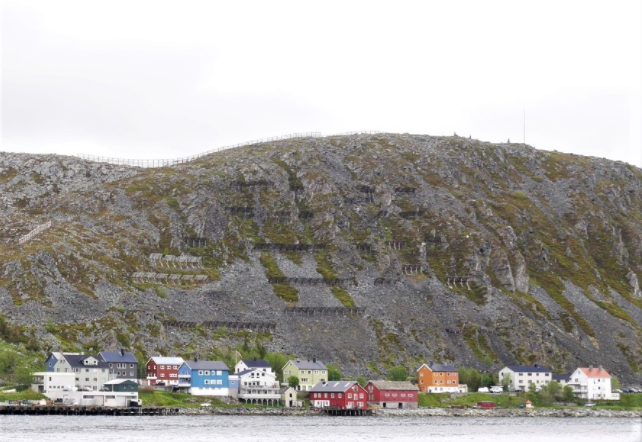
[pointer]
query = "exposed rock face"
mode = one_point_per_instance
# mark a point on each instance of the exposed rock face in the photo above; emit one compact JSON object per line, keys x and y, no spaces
{"x":459,"y":251}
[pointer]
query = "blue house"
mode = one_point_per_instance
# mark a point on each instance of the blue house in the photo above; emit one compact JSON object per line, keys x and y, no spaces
{"x":204,"y":378}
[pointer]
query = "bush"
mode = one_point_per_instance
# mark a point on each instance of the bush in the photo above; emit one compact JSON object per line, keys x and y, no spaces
{"x":398,"y":373}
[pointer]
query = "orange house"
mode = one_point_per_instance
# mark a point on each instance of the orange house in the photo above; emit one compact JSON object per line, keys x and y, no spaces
{"x":438,"y":378}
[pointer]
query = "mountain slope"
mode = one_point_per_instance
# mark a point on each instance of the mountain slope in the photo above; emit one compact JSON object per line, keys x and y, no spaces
{"x":458,"y":250}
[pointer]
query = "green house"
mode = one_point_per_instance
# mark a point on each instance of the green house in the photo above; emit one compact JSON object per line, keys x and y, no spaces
{"x":308,"y":372}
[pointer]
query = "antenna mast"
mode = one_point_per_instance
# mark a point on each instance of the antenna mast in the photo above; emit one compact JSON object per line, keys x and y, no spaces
{"x":524,"y":125}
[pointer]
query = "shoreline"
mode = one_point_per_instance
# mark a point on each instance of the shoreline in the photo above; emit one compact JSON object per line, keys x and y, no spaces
{"x":426,"y":412}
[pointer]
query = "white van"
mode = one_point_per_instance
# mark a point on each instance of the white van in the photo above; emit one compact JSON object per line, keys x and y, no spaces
{"x":482,"y":390}
{"x":496,"y":389}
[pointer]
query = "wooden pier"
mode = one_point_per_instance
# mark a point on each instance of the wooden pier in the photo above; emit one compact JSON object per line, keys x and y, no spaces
{"x":64,"y":410}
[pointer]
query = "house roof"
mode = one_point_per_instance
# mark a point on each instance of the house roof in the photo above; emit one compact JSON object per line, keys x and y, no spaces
{"x":284,"y":389}
{"x":256,"y":363}
{"x":593,"y":372}
{"x":165,"y":360}
{"x":332,"y":387}
{"x":562,"y":377}
{"x":207,"y":365}
{"x":394,"y":385}
{"x":528,"y":369}
{"x":119,"y":381}
{"x":438,"y":367}
{"x":308,"y":365}
{"x":76,"y":360}
{"x":116,"y":356}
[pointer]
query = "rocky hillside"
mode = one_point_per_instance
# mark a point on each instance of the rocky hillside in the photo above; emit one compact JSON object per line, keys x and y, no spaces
{"x":391,"y":249}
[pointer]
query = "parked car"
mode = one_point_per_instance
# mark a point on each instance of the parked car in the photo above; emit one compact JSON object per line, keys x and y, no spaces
{"x":496,"y":389}
{"x":517,"y":390}
{"x":617,"y":391}
{"x":483,"y":390}
{"x":627,"y":390}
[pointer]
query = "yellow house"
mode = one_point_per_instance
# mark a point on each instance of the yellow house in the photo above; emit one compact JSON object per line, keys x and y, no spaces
{"x":308,"y":372}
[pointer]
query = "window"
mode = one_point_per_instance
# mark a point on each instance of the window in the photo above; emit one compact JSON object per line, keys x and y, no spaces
{"x":349,"y":395}
{"x":162,"y":367}
{"x":331,"y":395}
{"x":131,"y":365}
{"x":200,"y":372}
{"x":206,"y":373}
{"x":219,"y":372}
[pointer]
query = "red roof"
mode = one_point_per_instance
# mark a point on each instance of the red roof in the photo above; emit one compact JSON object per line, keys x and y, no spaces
{"x":595,"y":372}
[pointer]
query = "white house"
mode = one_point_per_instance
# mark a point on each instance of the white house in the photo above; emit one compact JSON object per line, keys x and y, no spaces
{"x":248,"y":364}
{"x":258,"y":387}
{"x":592,"y":383}
{"x":520,"y":376}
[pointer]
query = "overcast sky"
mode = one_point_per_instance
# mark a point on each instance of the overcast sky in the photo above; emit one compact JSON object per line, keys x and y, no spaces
{"x":164,"y":79}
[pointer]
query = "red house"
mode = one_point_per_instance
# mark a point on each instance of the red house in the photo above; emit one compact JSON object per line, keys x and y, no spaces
{"x":343,"y":395}
{"x":163,"y":370}
{"x":393,"y":394}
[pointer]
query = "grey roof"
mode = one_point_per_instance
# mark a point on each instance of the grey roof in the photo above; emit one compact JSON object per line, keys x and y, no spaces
{"x":332,"y":387}
{"x":528,"y":369}
{"x":207,"y":365}
{"x":256,"y":363}
{"x":284,"y":389}
{"x":116,"y":356}
{"x":76,"y":360}
{"x":394,"y":385}
{"x":440,"y":367}
{"x":562,"y":377}
{"x":241,"y":373}
{"x":308,"y":365}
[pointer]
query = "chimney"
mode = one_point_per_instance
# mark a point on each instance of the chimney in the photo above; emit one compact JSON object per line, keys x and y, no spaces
{"x":314,"y":359}
{"x":195,"y":358}
{"x":536,"y":366}
{"x":601,"y":368}
{"x":122,"y":352}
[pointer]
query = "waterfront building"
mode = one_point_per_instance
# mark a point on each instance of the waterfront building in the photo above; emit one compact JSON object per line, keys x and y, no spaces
{"x":309,"y":373}
{"x":204,"y":378}
{"x":258,"y":387}
{"x":438,"y":378}
{"x":521,"y":376}
{"x":122,"y":364}
{"x":592,"y":383}
{"x":393,"y":394}
{"x":289,"y":397}
{"x":343,"y":395}
{"x":163,"y":370}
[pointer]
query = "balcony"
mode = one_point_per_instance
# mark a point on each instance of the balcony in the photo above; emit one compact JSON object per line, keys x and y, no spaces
{"x":259,"y":393}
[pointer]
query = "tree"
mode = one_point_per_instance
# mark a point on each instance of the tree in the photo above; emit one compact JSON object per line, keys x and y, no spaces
{"x":398,"y":373}
{"x":506,"y":383}
{"x":615,"y":383}
{"x":361,"y":380}
{"x":532,"y":388}
{"x":334,"y":373}
{"x":567,"y":394}
{"x":554,"y":389}
{"x":277,"y":361}
{"x":470,"y":377}
{"x":293,"y":382}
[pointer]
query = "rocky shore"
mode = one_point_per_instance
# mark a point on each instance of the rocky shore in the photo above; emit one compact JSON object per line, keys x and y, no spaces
{"x":427,"y":412}
{"x":511,"y":412}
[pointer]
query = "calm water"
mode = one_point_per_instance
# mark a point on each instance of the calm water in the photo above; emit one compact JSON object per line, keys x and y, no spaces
{"x":302,"y":429}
